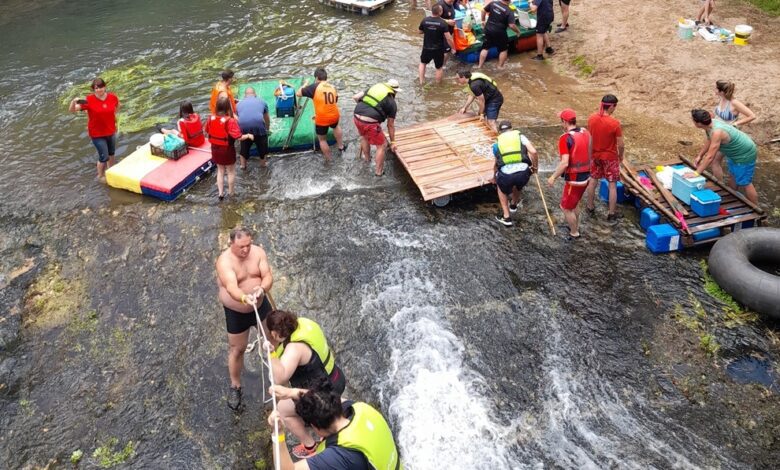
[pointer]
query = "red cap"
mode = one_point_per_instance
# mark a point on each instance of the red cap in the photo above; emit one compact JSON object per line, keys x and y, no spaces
{"x":567,"y":114}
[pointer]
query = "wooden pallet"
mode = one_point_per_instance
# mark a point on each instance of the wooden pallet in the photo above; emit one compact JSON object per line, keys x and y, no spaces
{"x":447,"y":156}
{"x":364,"y":7}
{"x":740,"y":209}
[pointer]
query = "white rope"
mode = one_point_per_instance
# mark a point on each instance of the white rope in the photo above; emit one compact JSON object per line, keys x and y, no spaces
{"x":277,"y":462}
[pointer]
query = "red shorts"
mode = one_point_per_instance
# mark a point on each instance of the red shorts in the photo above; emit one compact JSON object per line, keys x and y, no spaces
{"x":371,"y":131}
{"x":223,"y":154}
{"x":571,"y":196}
{"x":609,"y":169}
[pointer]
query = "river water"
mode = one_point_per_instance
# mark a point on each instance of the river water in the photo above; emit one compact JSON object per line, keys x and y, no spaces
{"x":486,"y":348}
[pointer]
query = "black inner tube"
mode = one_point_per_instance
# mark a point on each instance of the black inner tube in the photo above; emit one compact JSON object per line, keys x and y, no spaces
{"x":764,"y":255}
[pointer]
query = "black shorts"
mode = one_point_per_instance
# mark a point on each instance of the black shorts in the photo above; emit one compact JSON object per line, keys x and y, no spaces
{"x":518,"y":180}
{"x":435,"y":55}
{"x":564,"y":2}
{"x":260,"y":142}
{"x":543,"y":24}
{"x":497,"y":39}
{"x":238,"y":322}
{"x":323,"y":130}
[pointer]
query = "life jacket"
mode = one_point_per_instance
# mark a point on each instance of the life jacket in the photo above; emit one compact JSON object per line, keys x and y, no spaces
{"x":482,"y":76}
{"x":369,"y":434}
{"x":376,"y":94}
{"x":326,"y":109}
{"x":579,"y":159}
{"x":310,"y":333}
{"x":192,"y":130}
{"x":217,"y":130}
{"x":215,"y":95}
{"x":511,"y":149}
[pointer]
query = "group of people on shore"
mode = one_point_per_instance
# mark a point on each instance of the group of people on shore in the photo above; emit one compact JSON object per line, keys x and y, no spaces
{"x":348,"y":435}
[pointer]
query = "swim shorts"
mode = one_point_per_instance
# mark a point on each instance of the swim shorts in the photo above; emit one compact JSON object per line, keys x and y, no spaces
{"x":260,"y":142}
{"x":497,"y":39}
{"x":106,"y":146}
{"x":517,"y":180}
{"x":544,"y":24}
{"x":564,"y":2}
{"x":371,"y":131}
{"x":741,"y":172}
{"x":435,"y":55}
{"x":571,"y":196}
{"x":492,"y":108}
{"x":609,"y":169}
{"x":238,"y":322}
{"x":323,"y":130}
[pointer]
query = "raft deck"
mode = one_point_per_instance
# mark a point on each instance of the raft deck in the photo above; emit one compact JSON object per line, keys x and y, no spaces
{"x":737,"y":211}
{"x":447,"y":156}
{"x":364,"y":7}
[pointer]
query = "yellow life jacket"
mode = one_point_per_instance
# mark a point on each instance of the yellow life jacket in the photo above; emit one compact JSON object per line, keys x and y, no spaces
{"x":482,"y":76}
{"x":376,"y":94}
{"x":310,"y":333}
{"x":511,"y":148}
{"x":369,"y":434}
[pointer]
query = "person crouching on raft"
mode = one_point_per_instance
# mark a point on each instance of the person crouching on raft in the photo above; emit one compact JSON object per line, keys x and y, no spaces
{"x":301,"y":355}
{"x":485,"y":91}
{"x":374,"y":106}
{"x":355,"y":436}
{"x":575,"y":149}
{"x":222,"y":129}
{"x":190,"y":127}
{"x":101,"y":108}
{"x":516,"y":161}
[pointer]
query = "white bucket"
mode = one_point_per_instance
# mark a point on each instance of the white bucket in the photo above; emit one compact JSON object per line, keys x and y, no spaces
{"x":685,"y":29}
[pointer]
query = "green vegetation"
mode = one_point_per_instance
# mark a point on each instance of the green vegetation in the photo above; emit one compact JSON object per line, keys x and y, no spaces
{"x":260,"y":464}
{"x":582,"y":64}
{"x":27,"y":406}
{"x":735,"y":314}
{"x":106,"y":456}
{"x":52,"y":299}
{"x":688,"y":321}
{"x":769,"y":6}
{"x":708,"y":344}
{"x":76,"y":456}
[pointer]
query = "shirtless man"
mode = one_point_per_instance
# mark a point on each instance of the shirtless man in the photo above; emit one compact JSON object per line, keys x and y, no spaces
{"x":243,"y":277}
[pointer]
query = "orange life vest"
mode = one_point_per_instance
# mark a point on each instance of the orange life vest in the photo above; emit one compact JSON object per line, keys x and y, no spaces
{"x":192,"y":130}
{"x":579,"y":158}
{"x":219,"y":88}
{"x":326,"y":109}
{"x":217,"y":130}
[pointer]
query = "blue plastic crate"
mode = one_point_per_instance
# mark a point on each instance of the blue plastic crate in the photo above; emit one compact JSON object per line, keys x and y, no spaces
{"x":706,"y":234}
{"x":648,"y":217}
{"x":285,"y":104}
{"x":622,"y":195}
{"x":705,"y":202}
{"x":662,"y":238}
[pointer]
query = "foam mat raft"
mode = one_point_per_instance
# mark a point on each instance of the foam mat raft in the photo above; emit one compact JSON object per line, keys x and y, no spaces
{"x":143,"y":173}
{"x":303,"y":136}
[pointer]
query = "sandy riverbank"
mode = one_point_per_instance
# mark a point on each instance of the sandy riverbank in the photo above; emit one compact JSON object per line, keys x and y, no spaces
{"x":634,"y":51}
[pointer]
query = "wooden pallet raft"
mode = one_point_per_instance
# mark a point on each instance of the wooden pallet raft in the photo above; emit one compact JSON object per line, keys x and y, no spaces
{"x":364,"y":7}
{"x":447,"y":156}
{"x":736,"y":210}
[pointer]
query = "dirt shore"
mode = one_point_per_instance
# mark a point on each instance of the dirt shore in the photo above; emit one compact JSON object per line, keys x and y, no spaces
{"x":634,"y":51}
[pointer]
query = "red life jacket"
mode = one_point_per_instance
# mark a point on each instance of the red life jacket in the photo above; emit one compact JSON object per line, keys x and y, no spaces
{"x":217,"y":130}
{"x":192,"y":130}
{"x":579,"y":159}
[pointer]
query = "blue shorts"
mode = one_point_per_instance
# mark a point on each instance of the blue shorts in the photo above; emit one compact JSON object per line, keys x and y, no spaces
{"x":741,"y":172}
{"x":492,"y":108}
{"x":105,"y":146}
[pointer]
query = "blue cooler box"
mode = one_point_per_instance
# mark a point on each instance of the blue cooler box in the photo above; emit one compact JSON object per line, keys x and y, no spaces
{"x":662,"y":238}
{"x":705,"y":202}
{"x":682,"y":187}
{"x":648,"y":217}
{"x":706,"y":234}
{"x":285,"y":105}
{"x":621,"y":192}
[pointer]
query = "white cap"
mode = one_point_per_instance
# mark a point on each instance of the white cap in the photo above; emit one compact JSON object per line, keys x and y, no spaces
{"x":393,"y":83}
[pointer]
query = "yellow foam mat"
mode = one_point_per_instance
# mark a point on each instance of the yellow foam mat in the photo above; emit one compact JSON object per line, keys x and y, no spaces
{"x":128,"y":173}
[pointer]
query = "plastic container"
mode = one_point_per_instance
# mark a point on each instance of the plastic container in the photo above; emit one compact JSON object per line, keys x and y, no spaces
{"x":685,"y":29}
{"x":622,"y":196}
{"x":172,"y":154}
{"x":706,"y":234}
{"x":662,"y":238}
{"x":742,"y":34}
{"x":686,"y":183}
{"x":705,"y":202}
{"x":648,"y":217}
{"x":285,"y":102}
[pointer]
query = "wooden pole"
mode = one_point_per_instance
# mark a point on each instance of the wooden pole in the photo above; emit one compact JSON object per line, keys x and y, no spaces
{"x":726,"y":188}
{"x":680,"y":211}
{"x":544,"y":202}
{"x":646,"y":194}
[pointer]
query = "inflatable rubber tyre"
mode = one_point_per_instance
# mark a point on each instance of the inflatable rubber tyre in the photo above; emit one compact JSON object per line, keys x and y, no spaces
{"x":731,"y":265}
{"x":442,"y":201}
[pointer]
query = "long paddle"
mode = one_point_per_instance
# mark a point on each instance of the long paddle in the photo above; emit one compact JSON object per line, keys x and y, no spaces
{"x":544,"y":202}
{"x":295,"y":123}
{"x":679,"y":210}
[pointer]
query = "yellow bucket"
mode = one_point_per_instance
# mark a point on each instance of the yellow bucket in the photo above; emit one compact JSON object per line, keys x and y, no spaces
{"x":742,"y":34}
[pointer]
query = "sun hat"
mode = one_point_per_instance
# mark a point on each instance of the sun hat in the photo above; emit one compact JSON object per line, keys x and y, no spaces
{"x":393,"y":83}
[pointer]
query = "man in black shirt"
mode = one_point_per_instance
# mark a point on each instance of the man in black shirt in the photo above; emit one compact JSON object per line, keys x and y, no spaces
{"x":436,"y":36}
{"x":500,"y":18}
{"x":485,"y":91}
{"x":448,"y":15}
{"x":544,"y":18}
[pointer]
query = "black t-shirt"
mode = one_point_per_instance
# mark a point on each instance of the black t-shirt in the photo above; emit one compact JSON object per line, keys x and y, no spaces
{"x":545,"y":9}
{"x":483,"y":87}
{"x":447,"y":13}
{"x":387,"y":105}
{"x":433,"y":29}
{"x":499,"y":17}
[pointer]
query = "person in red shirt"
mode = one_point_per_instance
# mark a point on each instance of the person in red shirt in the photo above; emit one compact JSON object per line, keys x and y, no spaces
{"x":222,"y":130}
{"x":574,"y":147}
{"x":190,"y":127}
{"x":607,"y":153}
{"x":101,"y":107}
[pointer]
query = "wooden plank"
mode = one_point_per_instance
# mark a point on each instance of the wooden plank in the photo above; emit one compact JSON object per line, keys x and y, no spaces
{"x":725,"y":222}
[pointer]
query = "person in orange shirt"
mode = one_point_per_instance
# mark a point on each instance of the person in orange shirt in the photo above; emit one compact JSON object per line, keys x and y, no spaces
{"x":607,"y":154}
{"x":326,"y":110}
{"x":222,"y":88}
